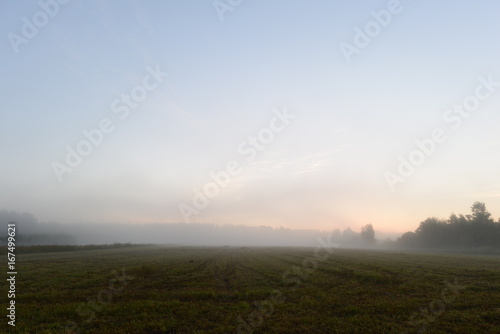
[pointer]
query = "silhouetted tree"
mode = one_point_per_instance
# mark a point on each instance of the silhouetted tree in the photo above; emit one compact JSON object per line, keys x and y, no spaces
{"x":368,"y":234}
{"x":432,"y":232}
{"x":408,"y":239}
{"x":480,"y":214}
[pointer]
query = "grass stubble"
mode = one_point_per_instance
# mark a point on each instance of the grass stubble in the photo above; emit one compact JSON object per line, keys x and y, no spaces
{"x":172,"y":289}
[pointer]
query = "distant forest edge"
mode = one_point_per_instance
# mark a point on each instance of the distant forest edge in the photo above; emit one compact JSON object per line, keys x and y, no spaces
{"x":477,"y":232}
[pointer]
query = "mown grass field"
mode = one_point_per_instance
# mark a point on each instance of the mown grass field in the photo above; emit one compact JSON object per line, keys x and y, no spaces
{"x":268,"y":290}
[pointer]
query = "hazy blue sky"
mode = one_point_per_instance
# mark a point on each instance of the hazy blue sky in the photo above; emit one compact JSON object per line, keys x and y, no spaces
{"x":69,"y":67}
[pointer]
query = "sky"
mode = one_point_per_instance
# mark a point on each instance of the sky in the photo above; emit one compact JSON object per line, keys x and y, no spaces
{"x":323,"y":114}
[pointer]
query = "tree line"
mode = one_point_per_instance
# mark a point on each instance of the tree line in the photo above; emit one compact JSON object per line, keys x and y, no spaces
{"x":474,"y":230}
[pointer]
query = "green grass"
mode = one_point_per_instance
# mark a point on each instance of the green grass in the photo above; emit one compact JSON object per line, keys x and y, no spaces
{"x":206,"y":290}
{"x":64,"y":248}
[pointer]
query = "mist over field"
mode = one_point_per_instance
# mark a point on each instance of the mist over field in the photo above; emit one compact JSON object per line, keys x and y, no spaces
{"x":475,"y":232}
{"x":32,"y":232}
